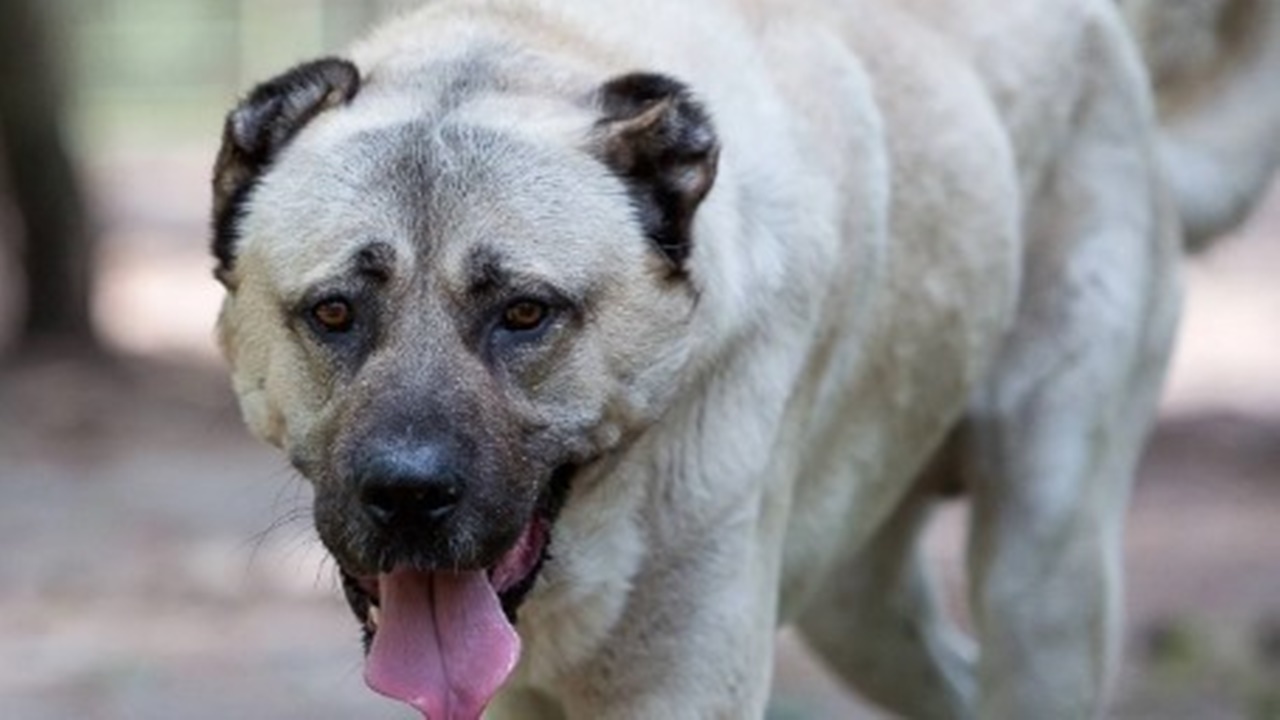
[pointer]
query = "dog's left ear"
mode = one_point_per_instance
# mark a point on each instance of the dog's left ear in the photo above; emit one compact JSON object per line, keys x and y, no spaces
{"x":259,"y":128}
{"x":661,"y":142}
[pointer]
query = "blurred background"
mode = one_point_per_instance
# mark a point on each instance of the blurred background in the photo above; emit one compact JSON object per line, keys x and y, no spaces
{"x":155,"y":562}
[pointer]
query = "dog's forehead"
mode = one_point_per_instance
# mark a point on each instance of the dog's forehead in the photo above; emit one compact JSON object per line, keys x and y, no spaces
{"x":434,"y":190}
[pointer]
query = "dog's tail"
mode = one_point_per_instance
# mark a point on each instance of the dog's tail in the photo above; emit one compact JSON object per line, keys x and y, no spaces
{"x":1215,"y":65}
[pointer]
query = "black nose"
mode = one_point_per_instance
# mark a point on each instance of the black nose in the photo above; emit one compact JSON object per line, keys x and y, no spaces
{"x":409,"y":488}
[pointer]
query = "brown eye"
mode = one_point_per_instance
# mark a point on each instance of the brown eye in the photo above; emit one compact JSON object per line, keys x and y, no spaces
{"x":334,"y":315}
{"x":524,"y":315}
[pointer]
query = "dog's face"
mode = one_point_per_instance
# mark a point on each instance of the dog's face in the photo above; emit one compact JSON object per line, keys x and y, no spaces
{"x":441,"y":307}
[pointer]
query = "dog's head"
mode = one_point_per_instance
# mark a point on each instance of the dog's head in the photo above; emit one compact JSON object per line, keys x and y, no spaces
{"x":444,"y":296}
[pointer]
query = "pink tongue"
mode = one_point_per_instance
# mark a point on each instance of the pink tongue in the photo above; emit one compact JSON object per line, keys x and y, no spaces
{"x":443,"y":644}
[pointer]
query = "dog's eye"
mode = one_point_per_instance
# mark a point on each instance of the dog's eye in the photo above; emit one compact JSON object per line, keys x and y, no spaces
{"x":524,"y":315}
{"x":335,"y":315}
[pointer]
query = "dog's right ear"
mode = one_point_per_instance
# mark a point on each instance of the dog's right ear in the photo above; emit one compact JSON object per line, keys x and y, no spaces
{"x":258,"y":129}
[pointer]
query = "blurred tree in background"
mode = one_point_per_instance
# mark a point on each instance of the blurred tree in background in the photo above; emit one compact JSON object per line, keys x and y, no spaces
{"x":85,"y":84}
{"x":57,"y":250}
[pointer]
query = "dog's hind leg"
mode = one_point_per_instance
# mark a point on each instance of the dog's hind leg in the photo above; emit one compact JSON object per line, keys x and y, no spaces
{"x":878,"y":625}
{"x":1046,"y":545}
{"x":1057,"y":432}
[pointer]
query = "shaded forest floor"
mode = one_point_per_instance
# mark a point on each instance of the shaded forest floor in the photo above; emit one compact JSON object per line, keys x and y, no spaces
{"x":157,"y":562}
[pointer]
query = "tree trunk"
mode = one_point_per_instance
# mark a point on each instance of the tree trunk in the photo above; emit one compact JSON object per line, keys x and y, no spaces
{"x":57,"y":258}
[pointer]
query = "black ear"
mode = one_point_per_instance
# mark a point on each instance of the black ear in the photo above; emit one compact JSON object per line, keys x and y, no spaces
{"x":258,"y":128}
{"x":661,"y":142}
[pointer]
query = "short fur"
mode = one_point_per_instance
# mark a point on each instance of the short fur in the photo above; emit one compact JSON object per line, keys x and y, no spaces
{"x":802,"y":261}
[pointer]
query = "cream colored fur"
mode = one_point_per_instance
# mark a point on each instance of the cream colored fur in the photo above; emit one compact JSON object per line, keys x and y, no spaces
{"x":1216,"y":68}
{"x":939,"y":238}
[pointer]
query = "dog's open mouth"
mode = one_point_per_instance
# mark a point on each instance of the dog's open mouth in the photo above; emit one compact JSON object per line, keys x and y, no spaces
{"x":444,"y":641}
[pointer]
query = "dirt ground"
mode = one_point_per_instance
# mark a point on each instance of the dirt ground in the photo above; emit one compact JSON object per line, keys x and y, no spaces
{"x":158,"y":563}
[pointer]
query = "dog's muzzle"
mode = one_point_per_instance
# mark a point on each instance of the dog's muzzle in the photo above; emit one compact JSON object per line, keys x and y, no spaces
{"x":440,"y":638}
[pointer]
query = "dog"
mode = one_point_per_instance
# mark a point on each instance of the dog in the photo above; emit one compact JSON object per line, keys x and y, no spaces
{"x":613,"y":335}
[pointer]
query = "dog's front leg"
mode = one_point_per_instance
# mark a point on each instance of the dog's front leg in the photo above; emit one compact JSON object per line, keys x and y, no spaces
{"x":696,"y":640}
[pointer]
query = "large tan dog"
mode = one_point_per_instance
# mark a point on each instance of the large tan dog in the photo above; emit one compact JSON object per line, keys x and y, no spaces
{"x":613,"y":334}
